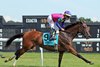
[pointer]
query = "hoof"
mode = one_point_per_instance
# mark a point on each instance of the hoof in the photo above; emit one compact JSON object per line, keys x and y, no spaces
{"x":3,"y":57}
{"x":91,"y":63}
{"x":6,"y":61}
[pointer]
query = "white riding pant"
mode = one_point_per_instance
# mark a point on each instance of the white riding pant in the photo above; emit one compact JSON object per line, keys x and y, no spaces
{"x":52,"y":23}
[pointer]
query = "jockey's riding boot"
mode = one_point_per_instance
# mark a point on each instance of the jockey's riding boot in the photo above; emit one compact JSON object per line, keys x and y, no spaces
{"x":52,"y":36}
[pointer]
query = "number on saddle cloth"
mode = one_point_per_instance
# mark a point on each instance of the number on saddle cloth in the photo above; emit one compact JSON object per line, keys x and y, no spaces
{"x":47,"y":41}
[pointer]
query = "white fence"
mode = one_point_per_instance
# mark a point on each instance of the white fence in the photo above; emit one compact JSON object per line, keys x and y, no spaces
{"x":75,"y":40}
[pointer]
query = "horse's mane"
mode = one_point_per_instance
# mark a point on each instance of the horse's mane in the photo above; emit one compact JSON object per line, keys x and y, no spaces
{"x":72,"y":24}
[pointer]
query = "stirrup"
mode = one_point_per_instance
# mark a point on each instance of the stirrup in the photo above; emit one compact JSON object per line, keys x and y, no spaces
{"x":52,"y":38}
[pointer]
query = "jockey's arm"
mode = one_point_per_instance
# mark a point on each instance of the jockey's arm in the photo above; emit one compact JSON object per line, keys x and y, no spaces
{"x":58,"y":25}
{"x":60,"y":20}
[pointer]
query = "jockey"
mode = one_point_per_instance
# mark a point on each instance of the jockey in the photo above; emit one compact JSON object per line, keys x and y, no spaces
{"x":54,"y":21}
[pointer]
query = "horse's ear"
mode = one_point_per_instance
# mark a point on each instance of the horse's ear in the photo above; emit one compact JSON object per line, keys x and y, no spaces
{"x":82,"y":22}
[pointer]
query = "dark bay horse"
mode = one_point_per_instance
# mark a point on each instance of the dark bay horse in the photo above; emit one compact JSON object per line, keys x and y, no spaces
{"x":34,"y":38}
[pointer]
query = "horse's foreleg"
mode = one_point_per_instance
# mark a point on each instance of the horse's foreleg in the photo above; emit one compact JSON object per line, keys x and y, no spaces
{"x":87,"y":61}
{"x":74,"y":52}
{"x":60,"y":57}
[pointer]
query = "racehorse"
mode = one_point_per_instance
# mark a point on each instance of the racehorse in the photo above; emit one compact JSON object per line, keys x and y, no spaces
{"x":34,"y":38}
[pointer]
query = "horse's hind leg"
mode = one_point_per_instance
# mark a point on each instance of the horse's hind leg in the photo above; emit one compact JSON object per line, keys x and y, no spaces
{"x":10,"y":58}
{"x":18,"y":53}
{"x":26,"y":46}
{"x":74,"y":52}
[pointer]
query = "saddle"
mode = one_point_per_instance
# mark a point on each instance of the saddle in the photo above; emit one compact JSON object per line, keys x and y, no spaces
{"x":47,"y":41}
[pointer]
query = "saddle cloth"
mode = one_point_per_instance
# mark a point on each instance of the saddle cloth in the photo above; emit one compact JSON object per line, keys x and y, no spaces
{"x":47,"y":41}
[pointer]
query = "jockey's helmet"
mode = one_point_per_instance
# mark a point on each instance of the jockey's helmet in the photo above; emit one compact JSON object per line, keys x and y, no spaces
{"x":67,"y":13}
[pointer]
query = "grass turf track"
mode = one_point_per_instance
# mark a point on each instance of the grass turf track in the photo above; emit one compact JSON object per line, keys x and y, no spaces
{"x":32,"y":59}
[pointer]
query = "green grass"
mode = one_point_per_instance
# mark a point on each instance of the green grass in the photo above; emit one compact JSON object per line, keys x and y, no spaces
{"x":51,"y":60}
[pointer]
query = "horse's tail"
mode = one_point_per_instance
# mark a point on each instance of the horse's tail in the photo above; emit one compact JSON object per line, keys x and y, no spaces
{"x":13,"y":38}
